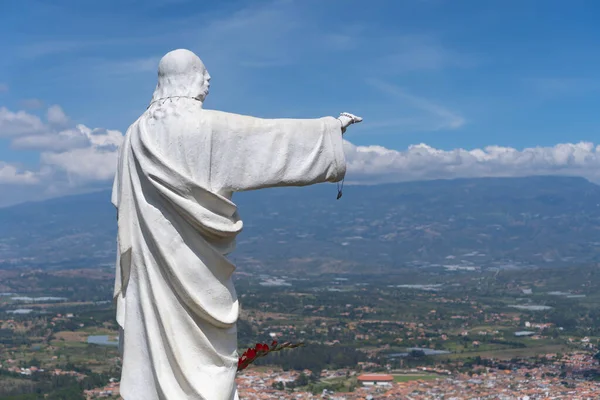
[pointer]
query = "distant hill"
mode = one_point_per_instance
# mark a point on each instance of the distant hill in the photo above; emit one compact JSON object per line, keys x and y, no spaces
{"x":466,"y":222}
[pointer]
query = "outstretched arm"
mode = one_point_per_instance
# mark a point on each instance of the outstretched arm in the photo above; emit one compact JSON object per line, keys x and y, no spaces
{"x":252,"y":153}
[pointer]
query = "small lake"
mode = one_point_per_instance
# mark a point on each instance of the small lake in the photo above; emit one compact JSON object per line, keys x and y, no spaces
{"x":102,"y":340}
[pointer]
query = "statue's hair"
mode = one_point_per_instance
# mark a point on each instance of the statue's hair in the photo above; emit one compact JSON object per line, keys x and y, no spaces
{"x":181,"y":73}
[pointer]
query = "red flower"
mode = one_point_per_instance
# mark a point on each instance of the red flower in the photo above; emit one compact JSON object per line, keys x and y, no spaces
{"x":261,"y":350}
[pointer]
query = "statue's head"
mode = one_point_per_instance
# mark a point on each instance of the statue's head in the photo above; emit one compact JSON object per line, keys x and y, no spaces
{"x":181,"y":73}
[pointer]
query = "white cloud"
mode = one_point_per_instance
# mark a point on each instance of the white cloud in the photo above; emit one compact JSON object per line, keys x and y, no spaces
{"x":10,"y":174}
{"x":56,"y":116}
{"x":376,"y":164}
{"x":73,"y":159}
{"x":29,"y":132}
{"x":55,"y":141}
{"x":18,"y":123}
{"x":95,"y":162}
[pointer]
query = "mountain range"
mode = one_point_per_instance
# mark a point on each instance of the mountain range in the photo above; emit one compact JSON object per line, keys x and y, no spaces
{"x":464,"y":223}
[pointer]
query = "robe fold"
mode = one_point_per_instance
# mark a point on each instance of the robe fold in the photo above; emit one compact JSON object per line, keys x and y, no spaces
{"x":178,"y":168}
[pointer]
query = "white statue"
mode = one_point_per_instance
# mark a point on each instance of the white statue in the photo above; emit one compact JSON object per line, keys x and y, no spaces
{"x":178,"y":168}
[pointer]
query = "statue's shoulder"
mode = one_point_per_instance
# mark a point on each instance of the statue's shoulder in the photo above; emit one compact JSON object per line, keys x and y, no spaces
{"x":220,"y":117}
{"x":212,"y":117}
{"x":216,"y":114}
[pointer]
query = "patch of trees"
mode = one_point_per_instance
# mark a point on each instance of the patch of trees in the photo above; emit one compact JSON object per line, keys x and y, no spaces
{"x":508,"y":343}
{"x":10,"y":338}
{"x":42,"y":385}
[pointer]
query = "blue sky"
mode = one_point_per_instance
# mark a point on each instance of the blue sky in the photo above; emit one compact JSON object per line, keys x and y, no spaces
{"x":458,"y":76}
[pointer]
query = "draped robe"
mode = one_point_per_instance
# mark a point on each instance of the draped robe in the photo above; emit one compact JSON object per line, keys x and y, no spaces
{"x":178,"y":167}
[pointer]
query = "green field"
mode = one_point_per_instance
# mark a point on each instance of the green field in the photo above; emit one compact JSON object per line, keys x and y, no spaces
{"x":409,"y":378}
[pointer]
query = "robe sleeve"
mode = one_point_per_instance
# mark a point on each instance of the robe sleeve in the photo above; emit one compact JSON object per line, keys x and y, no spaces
{"x":250,"y":153}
